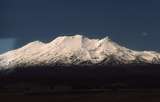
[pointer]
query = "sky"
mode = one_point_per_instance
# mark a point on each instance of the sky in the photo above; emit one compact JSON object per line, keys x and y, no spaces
{"x":132,"y":23}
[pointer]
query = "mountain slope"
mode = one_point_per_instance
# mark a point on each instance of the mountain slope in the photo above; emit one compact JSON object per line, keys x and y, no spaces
{"x":77,"y":50}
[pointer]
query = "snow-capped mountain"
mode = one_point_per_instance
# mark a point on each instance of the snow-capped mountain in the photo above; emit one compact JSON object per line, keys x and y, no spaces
{"x":77,"y":50}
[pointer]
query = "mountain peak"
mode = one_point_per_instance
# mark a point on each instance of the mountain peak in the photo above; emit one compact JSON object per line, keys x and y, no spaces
{"x":75,"y":49}
{"x":78,"y":36}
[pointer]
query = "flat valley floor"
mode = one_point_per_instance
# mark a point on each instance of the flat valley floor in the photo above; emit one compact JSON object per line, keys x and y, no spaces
{"x":110,"y":96}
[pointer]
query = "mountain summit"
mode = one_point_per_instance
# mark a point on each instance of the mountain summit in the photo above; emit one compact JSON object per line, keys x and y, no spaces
{"x":75,"y":50}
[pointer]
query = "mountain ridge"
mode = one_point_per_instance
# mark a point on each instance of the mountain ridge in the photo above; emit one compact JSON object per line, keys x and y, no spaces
{"x":75,"y":50}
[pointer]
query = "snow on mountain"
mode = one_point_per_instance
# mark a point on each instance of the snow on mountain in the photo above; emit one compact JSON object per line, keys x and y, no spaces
{"x":77,"y":50}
